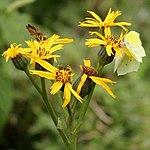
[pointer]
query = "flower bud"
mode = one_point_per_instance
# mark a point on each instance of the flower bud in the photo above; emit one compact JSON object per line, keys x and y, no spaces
{"x":20,"y":62}
{"x":86,"y":88}
{"x":103,"y":56}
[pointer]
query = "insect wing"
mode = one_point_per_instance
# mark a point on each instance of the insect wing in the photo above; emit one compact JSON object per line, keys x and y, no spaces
{"x":134,"y":45}
{"x":125,"y":64}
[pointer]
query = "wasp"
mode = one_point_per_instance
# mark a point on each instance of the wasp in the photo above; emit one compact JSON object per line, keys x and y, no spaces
{"x":39,"y":36}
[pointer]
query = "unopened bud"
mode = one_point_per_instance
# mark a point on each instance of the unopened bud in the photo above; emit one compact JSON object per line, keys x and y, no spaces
{"x":20,"y":62}
{"x":86,"y":88}
{"x":103,"y":56}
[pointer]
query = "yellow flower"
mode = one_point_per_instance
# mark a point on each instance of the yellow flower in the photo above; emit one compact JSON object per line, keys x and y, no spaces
{"x":42,"y":50}
{"x":96,"y":21}
{"x":90,"y":72}
{"x":62,"y":78}
{"x":112,"y":45}
{"x":13,"y":51}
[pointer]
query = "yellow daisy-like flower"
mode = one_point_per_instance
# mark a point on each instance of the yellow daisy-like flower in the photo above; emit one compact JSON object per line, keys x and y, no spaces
{"x":42,"y":50}
{"x":90,"y":72}
{"x":62,"y":78}
{"x":110,"y":42}
{"x":96,"y":21}
{"x":13,"y":51}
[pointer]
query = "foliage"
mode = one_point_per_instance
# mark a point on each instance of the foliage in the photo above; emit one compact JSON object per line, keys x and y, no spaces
{"x":109,"y":124}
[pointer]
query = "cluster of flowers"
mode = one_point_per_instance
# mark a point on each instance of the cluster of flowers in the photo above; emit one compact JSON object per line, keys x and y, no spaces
{"x":127,"y":50}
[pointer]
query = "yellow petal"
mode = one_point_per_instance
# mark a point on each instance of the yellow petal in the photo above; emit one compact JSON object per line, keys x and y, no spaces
{"x":74,"y":92}
{"x":95,"y":42}
{"x":100,"y":82}
{"x":82,"y":81}
{"x":95,"y":16}
{"x":67,"y":95}
{"x":108,"y":15}
{"x":44,"y":74}
{"x":56,"y":87}
{"x":50,"y":41}
{"x":50,"y":56}
{"x":31,"y":45}
{"x":109,"y":50}
{"x":65,"y":40}
{"x":46,"y":65}
{"x":107,"y":32}
{"x":55,"y":48}
{"x":26,"y":50}
{"x":98,"y":34}
{"x":84,"y":24}
{"x":122,"y":23}
{"x":87,"y":63}
{"x":106,"y":80}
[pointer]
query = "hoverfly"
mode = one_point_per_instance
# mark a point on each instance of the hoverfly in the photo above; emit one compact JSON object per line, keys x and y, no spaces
{"x":39,"y":36}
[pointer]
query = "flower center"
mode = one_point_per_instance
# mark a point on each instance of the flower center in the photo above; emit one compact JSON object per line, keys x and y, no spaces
{"x":41,"y":52}
{"x":111,"y":40}
{"x":64,"y":75}
{"x":90,"y":71}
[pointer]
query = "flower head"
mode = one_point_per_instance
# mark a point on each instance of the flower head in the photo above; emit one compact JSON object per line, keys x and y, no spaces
{"x":90,"y":72}
{"x":62,"y":78}
{"x":113,"y":45}
{"x":96,"y":21}
{"x":42,"y":50}
{"x":13,"y":51}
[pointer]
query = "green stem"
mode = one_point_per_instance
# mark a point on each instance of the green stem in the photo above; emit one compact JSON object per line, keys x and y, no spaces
{"x":49,"y":107}
{"x":73,"y":138}
{"x":73,"y":106}
{"x":52,"y":113}
{"x":32,"y":80}
{"x":70,"y":115}
{"x":83,"y":111}
{"x":71,"y":134}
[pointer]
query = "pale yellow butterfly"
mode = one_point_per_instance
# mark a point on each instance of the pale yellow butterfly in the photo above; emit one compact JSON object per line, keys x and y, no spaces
{"x":133,"y":45}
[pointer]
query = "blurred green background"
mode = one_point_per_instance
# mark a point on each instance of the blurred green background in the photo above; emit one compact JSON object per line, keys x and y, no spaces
{"x":122,"y":124}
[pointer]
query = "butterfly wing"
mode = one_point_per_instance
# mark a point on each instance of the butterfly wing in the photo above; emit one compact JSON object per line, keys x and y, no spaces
{"x":133,"y":44}
{"x":125,"y":64}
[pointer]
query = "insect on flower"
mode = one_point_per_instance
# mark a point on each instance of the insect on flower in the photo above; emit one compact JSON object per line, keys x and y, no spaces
{"x":39,"y":36}
{"x":131,"y":62}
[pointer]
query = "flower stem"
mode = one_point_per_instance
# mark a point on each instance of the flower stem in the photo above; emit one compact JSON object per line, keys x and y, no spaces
{"x":52,"y":113}
{"x":49,"y":107}
{"x":32,"y":80}
{"x":70,"y":116}
{"x":83,"y":111}
{"x":71,"y":134}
